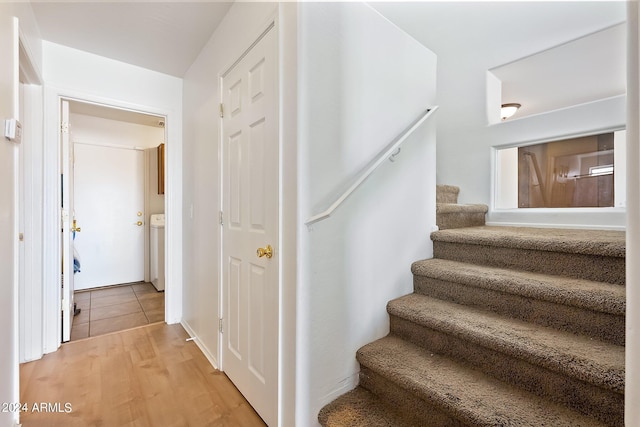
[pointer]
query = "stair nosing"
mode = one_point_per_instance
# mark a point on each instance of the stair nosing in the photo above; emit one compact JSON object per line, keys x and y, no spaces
{"x":612,"y":299}
{"x":441,"y":391}
{"x":507,"y":336}
{"x":360,"y":394}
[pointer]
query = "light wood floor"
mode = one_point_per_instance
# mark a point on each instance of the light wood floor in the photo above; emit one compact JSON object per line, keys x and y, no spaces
{"x":116,"y":308}
{"x":148,"y":376}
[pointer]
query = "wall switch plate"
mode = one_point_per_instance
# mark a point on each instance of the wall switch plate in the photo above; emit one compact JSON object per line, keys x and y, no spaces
{"x":13,"y":130}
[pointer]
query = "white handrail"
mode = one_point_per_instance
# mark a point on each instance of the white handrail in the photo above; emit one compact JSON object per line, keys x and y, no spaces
{"x":388,"y":152}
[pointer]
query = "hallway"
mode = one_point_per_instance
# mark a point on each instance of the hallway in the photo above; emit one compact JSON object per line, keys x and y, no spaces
{"x":148,"y":376}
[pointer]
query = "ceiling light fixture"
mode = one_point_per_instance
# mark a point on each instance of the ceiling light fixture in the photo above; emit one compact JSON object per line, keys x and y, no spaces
{"x":508,"y":110}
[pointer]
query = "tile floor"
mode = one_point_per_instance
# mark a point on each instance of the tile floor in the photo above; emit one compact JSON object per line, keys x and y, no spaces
{"x":116,"y":308}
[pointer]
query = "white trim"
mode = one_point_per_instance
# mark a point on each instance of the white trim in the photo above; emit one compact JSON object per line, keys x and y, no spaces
{"x":194,"y":337}
{"x":32,"y":71}
{"x":287,"y":87}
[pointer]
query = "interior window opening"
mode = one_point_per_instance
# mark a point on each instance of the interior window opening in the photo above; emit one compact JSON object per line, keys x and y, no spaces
{"x":583,"y":172}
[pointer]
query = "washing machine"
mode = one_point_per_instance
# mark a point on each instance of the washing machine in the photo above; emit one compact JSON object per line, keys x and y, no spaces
{"x":156,"y":252}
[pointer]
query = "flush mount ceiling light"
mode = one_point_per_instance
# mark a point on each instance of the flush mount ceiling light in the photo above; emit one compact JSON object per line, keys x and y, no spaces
{"x":508,"y":110}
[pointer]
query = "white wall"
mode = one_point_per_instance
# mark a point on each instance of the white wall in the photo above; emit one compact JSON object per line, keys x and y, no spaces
{"x":468,"y":38}
{"x":79,"y":75}
{"x":465,"y":138}
{"x":10,"y":29}
{"x":361,"y":82}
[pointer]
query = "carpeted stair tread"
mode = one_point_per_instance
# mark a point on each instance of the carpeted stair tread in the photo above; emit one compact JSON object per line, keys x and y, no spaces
{"x":449,"y":208}
{"x":360,"y":408}
{"x":466,"y":394}
{"x":579,"y":357}
{"x":591,"y":242}
{"x":587,"y":294}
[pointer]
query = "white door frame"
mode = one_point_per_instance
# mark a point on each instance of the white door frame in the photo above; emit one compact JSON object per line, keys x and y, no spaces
{"x":67,"y":219}
{"x":173,"y":208}
{"x":271,"y":24}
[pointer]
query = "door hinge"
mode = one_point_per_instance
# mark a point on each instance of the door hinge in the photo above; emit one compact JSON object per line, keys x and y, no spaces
{"x":64,"y":305}
{"x":221,"y":110}
{"x":221,"y":325}
{"x":221,"y":218}
{"x":64,"y":127}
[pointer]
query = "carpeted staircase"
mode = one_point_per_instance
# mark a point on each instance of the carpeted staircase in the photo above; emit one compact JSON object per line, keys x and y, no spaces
{"x":451,"y":214}
{"x":506,"y":327}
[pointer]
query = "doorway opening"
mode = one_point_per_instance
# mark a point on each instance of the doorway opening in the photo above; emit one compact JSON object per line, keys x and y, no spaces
{"x":110,"y":189}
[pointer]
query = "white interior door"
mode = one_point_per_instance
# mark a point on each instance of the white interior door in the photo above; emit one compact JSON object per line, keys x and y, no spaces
{"x":67,"y":223}
{"x":109,"y":207}
{"x":250,"y":221}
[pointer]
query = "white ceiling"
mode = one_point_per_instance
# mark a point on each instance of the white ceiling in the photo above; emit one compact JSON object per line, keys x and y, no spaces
{"x":167,"y":36}
{"x":161,"y":36}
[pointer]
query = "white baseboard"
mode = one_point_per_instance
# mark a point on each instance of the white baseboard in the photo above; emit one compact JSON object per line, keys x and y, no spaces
{"x":202,"y":348}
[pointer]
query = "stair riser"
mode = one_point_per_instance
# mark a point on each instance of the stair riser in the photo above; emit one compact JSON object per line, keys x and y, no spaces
{"x":581,"y":266}
{"x":420,"y":413}
{"x":603,"y":326}
{"x":447,"y":194}
{"x":604,"y":405}
{"x":446,"y":221}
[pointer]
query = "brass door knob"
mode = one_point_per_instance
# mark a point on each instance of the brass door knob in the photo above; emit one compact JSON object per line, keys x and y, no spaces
{"x":139,"y":223}
{"x":268,"y":252}
{"x":75,"y":228}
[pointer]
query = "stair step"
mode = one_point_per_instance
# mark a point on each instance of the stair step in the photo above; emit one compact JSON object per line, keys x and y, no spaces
{"x":449,"y":215}
{"x":447,"y":193}
{"x":467,"y":395}
{"x":596,"y":255}
{"x":360,"y":408}
{"x":596,"y":362}
{"x":585,"y":374}
{"x":596,"y":309}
